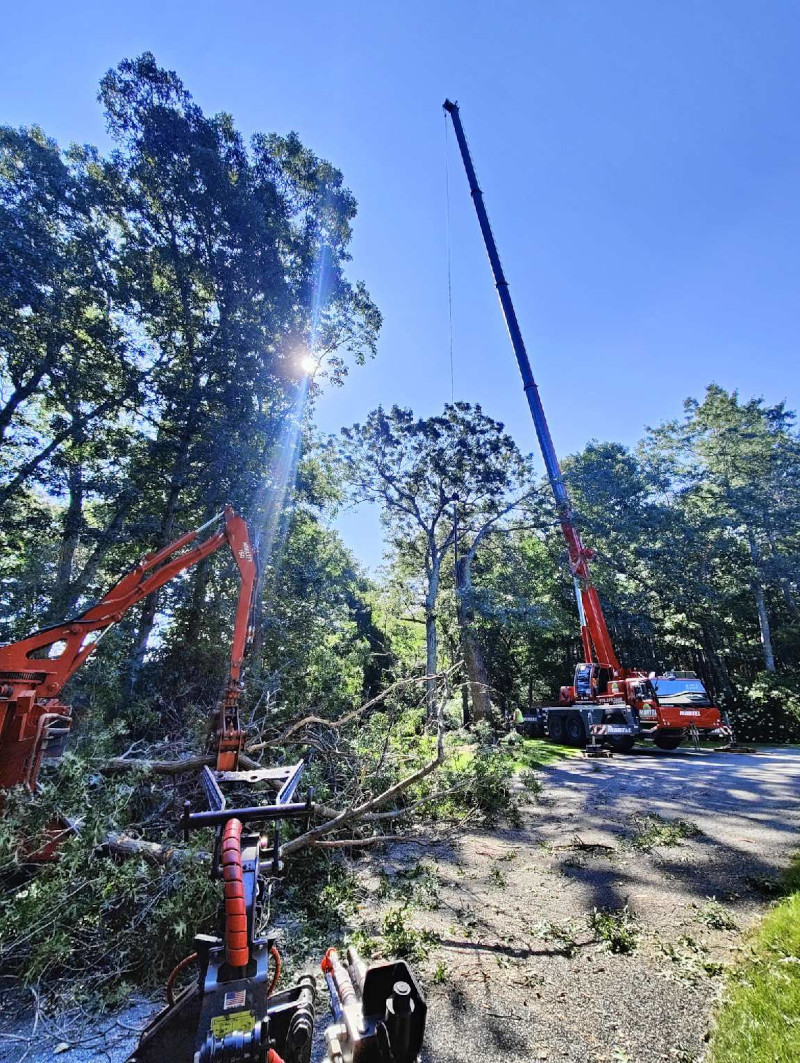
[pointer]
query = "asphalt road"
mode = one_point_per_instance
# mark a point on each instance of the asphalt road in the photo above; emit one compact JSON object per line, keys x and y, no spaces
{"x":525,"y":976}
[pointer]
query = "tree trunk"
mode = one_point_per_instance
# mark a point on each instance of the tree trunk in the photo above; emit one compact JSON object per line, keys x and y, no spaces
{"x":148,"y":619}
{"x":717,"y":664}
{"x":194,"y":619}
{"x":73,"y":525}
{"x":761,"y":606}
{"x":21,"y":393}
{"x":105,"y":541}
{"x":431,"y":637}
{"x":477,"y":676}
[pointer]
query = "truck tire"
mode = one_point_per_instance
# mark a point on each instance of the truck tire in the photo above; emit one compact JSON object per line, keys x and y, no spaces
{"x":555,"y":727}
{"x":621,"y":743}
{"x":575,"y":729}
{"x":668,"y":742}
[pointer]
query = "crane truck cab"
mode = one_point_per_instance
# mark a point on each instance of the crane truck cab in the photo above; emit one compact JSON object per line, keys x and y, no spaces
{"x":604,"y":707}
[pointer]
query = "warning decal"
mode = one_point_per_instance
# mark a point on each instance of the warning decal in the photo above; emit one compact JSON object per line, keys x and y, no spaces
{"x":243,"y":1021}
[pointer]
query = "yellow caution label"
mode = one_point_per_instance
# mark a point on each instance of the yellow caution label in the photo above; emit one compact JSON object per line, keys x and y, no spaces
{"x":244,"y":1021}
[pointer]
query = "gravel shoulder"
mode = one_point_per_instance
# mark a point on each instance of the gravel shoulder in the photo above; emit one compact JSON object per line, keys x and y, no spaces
{"x":522,"y":976}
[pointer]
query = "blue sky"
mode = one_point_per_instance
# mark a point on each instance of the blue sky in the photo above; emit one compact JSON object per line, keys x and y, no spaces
{"x":640,"y":161}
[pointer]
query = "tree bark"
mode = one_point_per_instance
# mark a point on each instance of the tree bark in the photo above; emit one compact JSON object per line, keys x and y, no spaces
{"x":194,"y":620}
{"x":21,"y":393}
{"x":148,"y":618}
{"x":431,"y":636}
{"x":477,"y":675}
{"x":761,"y":606}
{"x":70,"y":540}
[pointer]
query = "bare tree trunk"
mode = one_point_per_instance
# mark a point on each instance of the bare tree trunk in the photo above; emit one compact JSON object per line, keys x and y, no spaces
{"x":194,"y":620}
{"x":70,"y":540}
{"x":22,"y":391}
{"x":761,"y":606}
{"x":716,"y":662}
{"x":104,"y":543}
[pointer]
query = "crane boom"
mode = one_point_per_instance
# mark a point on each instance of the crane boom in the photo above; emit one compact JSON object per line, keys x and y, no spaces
{"x":594,"y":630}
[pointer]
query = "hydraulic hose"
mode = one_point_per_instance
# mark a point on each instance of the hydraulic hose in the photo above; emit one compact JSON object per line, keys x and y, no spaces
{"x":175,"y":972}
{"x":277,"y":958}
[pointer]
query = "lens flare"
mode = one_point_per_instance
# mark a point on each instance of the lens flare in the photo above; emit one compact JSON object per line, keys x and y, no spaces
{"x":309,"y":364}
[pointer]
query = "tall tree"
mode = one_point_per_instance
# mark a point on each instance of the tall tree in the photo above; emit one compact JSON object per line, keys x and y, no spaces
{"x":234,"y":259}
{"x":442,"y":483}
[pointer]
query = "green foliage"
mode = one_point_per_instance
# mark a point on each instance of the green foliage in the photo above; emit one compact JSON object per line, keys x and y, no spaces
{"x":482,"y":777}
{"x":652,"y":831}
{"x":400,"y":938}
{"x":716,"y":916}
{"x":770,"y":709}
{"x":563,"y":937}
{"x":91,"y":925}
{"x":616,"y":927}
{"x":417,"y":885}
{"x":689,"y":960}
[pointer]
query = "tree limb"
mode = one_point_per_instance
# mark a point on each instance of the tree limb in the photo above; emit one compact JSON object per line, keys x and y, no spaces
{"x":307,"y":720}
{"x":316,"y":833}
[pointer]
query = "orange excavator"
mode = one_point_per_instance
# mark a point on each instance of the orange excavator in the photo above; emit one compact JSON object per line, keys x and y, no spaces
{"x":232,"y":1011}
{"x":35,"y":723}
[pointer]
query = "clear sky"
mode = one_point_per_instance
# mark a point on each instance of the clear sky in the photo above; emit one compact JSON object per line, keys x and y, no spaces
{"x":640,"y":161}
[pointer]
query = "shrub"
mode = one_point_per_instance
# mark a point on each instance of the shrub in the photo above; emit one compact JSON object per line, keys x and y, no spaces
{"x":769,"y":710}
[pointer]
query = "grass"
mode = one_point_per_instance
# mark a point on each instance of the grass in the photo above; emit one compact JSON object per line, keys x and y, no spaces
{"x":759,"y":1018}
{"x":530,"y":753}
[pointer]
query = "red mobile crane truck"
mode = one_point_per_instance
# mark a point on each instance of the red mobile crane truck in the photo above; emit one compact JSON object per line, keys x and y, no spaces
{"x":606,"y":703}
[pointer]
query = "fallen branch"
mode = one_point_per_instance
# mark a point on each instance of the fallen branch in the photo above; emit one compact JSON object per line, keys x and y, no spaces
{"x":155,"y":767}
{"x":167,"y":767}
{"x":312,"y":836}
{"x":125,"y":846}
{"x":335,"y":724}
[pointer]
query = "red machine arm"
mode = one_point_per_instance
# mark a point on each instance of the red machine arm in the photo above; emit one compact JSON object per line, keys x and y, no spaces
{"x":594,"y":631}
{"x":33,"y":671}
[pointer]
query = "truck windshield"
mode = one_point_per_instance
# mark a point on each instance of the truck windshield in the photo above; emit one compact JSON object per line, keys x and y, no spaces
{"x":680,"y":692}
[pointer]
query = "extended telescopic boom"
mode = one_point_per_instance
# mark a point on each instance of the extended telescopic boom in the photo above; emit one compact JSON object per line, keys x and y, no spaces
{"x":594,"y":631}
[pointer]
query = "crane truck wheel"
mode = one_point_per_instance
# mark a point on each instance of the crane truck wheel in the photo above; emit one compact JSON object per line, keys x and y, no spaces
{"x":622,"y":744}
{"x":668,"y":741}
{"x":576,"y":732}
{"x":555,"y":727}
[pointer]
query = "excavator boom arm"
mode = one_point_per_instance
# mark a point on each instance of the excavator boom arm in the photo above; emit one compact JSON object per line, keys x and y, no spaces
{"x":34,"y":671}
